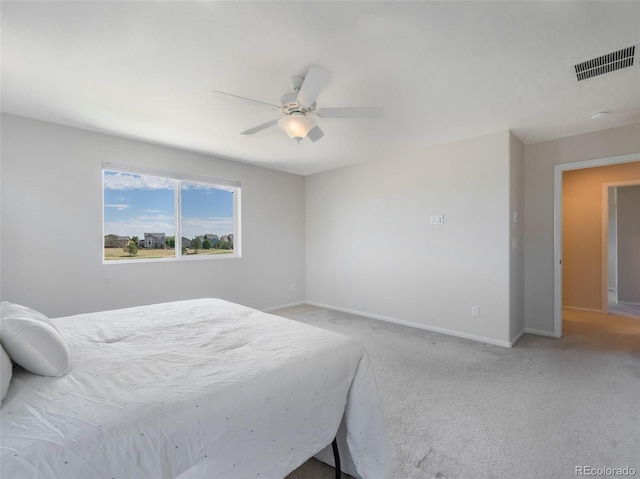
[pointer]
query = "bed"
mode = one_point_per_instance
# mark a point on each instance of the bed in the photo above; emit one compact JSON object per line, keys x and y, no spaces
{"x":194,"y":389}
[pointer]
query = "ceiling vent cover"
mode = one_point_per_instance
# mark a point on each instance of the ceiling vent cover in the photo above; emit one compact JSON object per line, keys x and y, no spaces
{"x":605,"y":63}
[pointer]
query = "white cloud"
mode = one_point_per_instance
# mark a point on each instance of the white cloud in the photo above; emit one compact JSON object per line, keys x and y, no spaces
{"x":129,"y":181}
{"x":189,"y":185}
{"x":119,"y":206}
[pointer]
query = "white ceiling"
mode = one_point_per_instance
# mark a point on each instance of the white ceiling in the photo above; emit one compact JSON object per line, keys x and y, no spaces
{"x":442,"y":71}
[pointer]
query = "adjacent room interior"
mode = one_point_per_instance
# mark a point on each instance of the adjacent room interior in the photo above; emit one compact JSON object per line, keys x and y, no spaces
{"x":600,"y":227}
{"x":463,"y":201}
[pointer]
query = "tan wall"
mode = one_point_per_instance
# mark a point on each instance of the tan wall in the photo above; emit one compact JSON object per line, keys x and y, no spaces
{"x":582,"y":204}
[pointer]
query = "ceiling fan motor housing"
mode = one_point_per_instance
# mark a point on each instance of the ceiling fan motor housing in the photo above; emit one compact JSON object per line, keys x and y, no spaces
{"x":289,"y":102}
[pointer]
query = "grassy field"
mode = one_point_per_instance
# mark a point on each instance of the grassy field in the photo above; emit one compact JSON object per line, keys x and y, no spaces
{"x":119,"y":254}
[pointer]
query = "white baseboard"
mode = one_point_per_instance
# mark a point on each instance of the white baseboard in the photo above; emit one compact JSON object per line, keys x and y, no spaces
{"x":517,"y":338}
{"x":274,"y":308}
{"x":540,"y":332}
{"x":448,"y":332}
{"x":627,"y":303}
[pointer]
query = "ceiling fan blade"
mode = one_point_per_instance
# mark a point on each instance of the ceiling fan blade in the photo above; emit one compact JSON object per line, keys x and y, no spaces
{"x":313,"y":84}
{"x":258,"y":128}
{"x":250,"y":100}
{"x":350,"y":112}
{"x":315,"y":133}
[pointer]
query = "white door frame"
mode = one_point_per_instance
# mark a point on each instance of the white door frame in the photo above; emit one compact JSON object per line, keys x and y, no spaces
{"x":557,"y":227}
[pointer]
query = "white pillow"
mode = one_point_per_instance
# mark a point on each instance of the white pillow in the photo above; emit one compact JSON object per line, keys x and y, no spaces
{"x":6,"y":371}
{"x":33,"y":341}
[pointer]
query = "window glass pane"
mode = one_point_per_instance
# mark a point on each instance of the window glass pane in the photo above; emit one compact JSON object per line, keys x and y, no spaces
{"x":207,"y":215}
{"x":139,"y":216}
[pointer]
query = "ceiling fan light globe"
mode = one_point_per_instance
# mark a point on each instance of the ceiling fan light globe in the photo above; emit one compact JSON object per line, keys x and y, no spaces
{"x":296,"y":125}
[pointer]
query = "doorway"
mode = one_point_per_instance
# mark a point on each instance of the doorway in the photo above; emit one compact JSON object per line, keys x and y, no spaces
{"x":558,"y":222}
{"x":621,"y":221}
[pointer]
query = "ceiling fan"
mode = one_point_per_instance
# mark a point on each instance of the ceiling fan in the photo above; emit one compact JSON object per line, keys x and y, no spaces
{"x":299,"y":107}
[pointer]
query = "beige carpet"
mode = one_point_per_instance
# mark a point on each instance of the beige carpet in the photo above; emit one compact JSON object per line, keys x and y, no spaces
{"x":461,"y":409}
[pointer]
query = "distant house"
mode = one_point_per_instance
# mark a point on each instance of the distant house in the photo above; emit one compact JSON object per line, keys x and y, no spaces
{"x":213,"y":239}
{"x":153,"y":240}
{"x":185,"y":242}
{"x":226,"y":242}
{"x":115,"y":241}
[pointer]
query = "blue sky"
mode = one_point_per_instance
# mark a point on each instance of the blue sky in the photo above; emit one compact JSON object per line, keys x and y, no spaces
{"x":137,"y":204}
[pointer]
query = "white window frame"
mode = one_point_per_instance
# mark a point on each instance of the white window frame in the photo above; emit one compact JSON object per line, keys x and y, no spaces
{"x":179,"y":177}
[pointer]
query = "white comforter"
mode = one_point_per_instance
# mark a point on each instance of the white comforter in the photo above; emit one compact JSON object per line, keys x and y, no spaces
{"x":194,"y":389}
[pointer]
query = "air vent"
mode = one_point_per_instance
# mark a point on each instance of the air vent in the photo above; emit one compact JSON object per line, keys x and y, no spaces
{"x":606,"y":63}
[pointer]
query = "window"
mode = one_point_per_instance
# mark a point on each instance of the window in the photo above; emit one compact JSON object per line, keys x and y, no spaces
{"x":151,"y":215}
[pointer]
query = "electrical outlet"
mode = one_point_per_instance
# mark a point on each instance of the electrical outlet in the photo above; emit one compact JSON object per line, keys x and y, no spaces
{"x":436,"y":220}
{"x":475,"y":311}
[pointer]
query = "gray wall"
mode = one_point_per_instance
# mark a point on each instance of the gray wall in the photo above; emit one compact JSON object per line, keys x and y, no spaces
{"x":540,"y":159}
{"x":628,"y":201}
{"x":516,"y":260}
{"x":369,"y":245}
{"x":371,"y":249}
{"x":51,"y":237}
